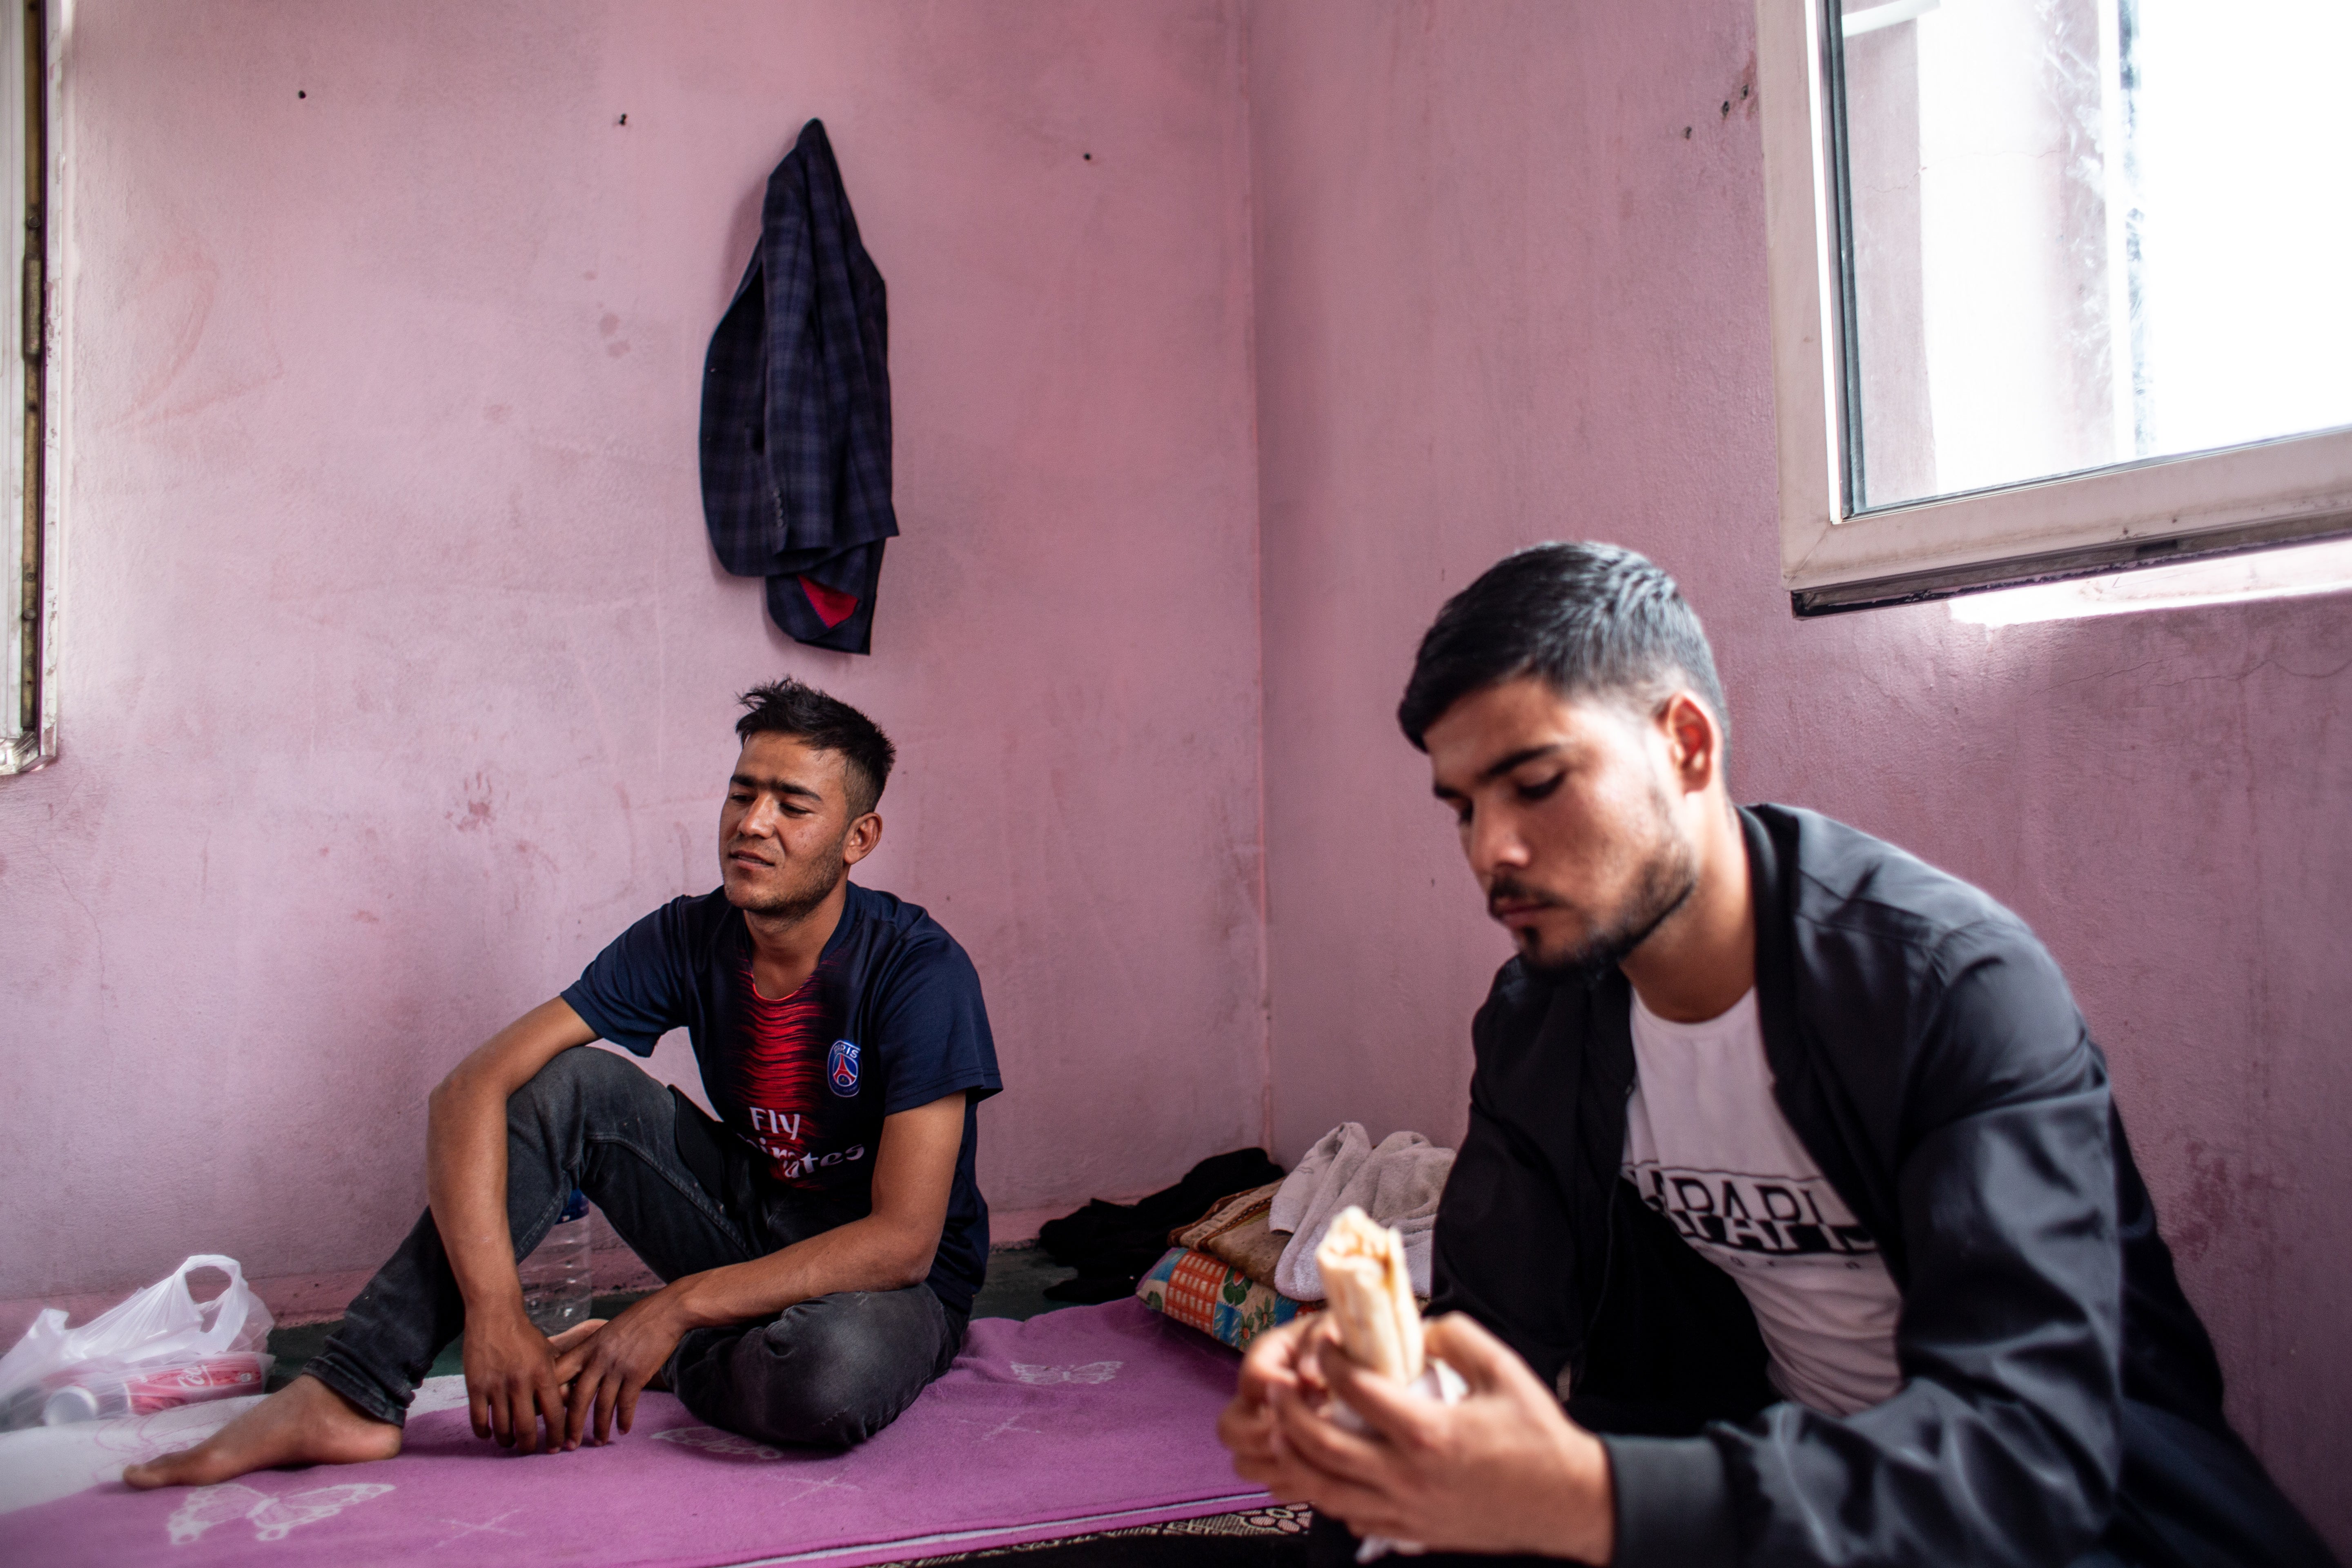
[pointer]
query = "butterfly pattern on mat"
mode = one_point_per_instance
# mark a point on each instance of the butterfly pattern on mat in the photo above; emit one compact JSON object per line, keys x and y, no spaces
{"x":272,"y":1517}
{"x":718,"y":1442}
{"x":1093,"y":1372}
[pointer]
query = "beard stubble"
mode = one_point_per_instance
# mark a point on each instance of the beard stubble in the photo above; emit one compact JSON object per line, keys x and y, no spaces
{"x":1669,"y":876}
{"x":802,"y":899}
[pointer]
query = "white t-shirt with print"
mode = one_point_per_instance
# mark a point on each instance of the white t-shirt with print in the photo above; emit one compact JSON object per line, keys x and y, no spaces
{"x":1706,"y":1145}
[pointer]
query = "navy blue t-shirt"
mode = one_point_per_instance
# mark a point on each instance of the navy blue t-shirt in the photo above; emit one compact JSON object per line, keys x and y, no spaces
{"x":891,"y":1018}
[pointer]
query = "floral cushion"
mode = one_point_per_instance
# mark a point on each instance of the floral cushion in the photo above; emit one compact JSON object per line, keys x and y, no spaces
{"x":1212,"y":1296}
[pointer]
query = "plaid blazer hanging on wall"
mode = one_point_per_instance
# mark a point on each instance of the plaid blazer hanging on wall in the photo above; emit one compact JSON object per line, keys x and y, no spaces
{"x":796,"y":410}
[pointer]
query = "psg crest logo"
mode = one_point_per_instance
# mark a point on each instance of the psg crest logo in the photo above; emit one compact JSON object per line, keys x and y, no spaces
{"x":841,"y":1067}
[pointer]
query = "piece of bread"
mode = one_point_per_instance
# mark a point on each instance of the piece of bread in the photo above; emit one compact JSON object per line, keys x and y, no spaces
{"x":1370,"y":1295}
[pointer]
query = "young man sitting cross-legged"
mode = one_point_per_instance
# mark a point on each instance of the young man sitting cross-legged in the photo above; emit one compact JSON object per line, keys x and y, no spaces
{"x":822,"y":1242}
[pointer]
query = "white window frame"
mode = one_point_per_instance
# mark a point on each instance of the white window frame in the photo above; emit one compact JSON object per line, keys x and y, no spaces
{"x":2142,"y":513}
{"x":29,"y":186}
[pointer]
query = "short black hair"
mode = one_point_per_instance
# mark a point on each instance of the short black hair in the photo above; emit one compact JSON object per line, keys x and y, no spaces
{"x":1590,"y":619}
{"x":787,"y":707}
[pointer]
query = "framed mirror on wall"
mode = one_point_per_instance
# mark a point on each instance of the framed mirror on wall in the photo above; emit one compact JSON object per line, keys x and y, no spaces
{"x":29,"y":732}
{"x":2057,"y":287}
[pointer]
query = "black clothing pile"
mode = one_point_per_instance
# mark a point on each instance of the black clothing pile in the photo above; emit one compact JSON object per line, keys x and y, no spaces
{"x":1113,"y":1246}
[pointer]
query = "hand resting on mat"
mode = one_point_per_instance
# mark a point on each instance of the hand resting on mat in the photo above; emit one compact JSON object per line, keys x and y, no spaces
{"x":604,"y":1374}
{"x":512,"y":1381}
{"x":1504,"y":1470}
{"x":888,"y":1248}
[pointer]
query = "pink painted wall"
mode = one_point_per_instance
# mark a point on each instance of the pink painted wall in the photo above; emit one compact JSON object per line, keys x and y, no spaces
{"x":398,"y":672}
{"x":398,"y":675}
{"x":1502,"y":296}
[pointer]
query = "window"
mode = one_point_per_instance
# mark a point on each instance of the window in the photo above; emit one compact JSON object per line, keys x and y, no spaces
{"x":29,"y":732}
{"x":2057,"y":287}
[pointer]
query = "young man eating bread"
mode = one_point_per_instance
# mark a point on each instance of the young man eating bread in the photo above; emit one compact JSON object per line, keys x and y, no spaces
{"x":1794,"y":1223}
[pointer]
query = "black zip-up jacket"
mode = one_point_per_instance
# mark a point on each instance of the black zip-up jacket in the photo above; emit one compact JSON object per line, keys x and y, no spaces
{"x":2058,"y":1390}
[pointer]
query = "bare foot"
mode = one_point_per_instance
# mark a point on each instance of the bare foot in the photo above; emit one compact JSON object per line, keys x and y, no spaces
{"x":304,"y":1422}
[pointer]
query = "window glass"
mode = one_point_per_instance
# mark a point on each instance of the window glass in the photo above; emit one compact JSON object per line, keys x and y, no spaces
{"x":2083,"y":232}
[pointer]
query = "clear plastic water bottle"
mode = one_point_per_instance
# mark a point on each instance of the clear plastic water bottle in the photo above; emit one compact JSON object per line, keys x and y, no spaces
{"x":555,"y":1286}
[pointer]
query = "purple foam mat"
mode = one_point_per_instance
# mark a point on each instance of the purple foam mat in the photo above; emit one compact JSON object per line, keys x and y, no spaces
{"x":1087,"y":1418}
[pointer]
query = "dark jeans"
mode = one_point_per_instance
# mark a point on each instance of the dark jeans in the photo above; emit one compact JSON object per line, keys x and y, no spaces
{"x":831,"y":1371}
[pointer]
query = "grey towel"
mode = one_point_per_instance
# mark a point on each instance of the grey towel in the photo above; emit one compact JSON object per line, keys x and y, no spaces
{"x":1397,"y":1184}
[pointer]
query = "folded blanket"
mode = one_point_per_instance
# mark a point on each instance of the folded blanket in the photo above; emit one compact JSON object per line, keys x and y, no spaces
{"x":1237,"y":1232}
{"x":1396,"y":1184}
{"x":1201,"y":1292}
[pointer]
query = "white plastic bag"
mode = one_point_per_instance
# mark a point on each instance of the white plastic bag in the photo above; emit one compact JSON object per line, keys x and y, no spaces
{"x":161,"y":1327}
